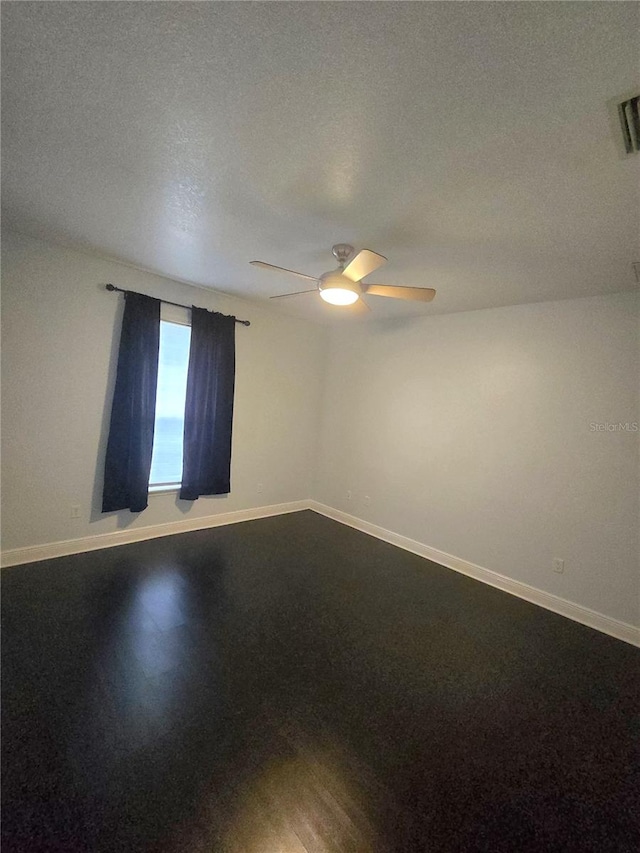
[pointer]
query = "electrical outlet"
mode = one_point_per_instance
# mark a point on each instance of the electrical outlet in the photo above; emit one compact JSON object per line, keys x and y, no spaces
{"x":75,"y":510}
{"x":260,"y":488}
{"x":558,"y":565}
{"x":349,"y":494}
{"x":367,"y":500}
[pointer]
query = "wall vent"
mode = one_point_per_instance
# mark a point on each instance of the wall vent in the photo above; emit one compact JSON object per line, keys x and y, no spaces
{"x":630,"y":124}
{"x":625,"y":123}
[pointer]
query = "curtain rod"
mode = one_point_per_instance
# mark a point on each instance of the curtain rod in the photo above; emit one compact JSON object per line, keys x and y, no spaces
{"x":112,"y":288}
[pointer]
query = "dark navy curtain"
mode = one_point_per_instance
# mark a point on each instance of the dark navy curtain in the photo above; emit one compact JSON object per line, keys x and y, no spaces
{"x":128,"y":460}
{"x":208,"y":412}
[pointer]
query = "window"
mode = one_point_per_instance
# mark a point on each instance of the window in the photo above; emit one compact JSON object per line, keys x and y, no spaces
{"x":173,"y":361}
{"x":199,"y":345}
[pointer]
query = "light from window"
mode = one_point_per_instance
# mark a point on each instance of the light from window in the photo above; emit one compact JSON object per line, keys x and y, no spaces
{"x":166,"y":461}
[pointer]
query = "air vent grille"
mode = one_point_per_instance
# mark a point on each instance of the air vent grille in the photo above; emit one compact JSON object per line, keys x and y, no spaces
{"x":630,"y":124}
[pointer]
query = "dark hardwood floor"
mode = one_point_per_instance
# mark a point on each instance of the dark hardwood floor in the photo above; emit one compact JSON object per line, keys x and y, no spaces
{"x":290,"y":685}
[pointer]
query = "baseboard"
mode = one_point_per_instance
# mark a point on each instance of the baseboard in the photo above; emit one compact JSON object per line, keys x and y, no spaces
{"x":36,"y":553}
{"x":584,"y":615}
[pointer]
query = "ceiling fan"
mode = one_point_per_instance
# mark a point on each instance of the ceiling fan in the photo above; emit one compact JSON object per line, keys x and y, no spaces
{"x":344,"y":285}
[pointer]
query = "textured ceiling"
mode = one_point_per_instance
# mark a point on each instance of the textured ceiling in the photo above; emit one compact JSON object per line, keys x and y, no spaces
{"x":468,"y":142}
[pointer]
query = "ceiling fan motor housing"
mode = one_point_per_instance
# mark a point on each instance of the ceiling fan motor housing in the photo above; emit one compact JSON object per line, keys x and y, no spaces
{"x":335,"y":288}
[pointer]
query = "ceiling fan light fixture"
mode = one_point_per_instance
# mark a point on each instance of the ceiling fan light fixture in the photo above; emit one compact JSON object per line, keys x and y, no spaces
{"x":337,"y":290}
{"x":338,"y":296}
{"x":344,"y":286}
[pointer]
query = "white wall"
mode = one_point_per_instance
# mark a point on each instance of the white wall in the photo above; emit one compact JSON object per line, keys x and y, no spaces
{"x":471,"y":433}
{"x":60,"y":337}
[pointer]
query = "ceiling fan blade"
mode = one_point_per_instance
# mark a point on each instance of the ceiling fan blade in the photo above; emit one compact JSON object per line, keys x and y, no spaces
{"x":413,"y":294}
{"x":364,"y":263}
{"x":297,"y":293}
{"x":264,"y":265}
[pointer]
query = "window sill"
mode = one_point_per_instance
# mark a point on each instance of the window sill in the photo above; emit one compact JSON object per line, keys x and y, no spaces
{"x":164,"y":489}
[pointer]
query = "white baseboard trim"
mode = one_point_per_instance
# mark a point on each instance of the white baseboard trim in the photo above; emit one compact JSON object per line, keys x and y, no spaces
{"x":36,"y":553}
{"x":584,"y":615}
